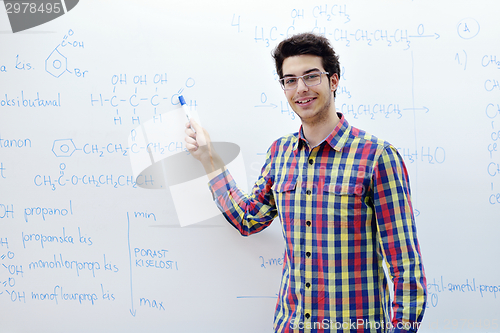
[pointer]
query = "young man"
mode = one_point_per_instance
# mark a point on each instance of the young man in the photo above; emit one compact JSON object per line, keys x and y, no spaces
{"x":343,"y":199}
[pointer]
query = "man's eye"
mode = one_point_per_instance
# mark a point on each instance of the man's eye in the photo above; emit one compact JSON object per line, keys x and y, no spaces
{"x":311,"y":76}
{"x":291,"y":80}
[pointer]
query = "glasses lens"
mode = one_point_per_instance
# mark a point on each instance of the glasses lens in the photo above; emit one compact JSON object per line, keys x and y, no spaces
{"x":289,"y":82}
{"x":312,"y":79}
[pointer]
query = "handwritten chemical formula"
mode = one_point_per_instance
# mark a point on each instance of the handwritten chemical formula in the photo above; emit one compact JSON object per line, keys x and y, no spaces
{"x":68,"y":148}
{"x":10,"y":272}
{"x":332,"y":21}
{"x":63,"y":180}
{"x":493,"y":148}
{"x":149,"y":92}
{"x":57,"y":63}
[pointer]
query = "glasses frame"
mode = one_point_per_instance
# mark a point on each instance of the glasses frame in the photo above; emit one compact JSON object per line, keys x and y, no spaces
{"x":282,"y":81}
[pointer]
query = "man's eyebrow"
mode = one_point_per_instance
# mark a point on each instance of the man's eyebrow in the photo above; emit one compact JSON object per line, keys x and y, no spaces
{"x":312,"y":70}
{"x":304,"y":73}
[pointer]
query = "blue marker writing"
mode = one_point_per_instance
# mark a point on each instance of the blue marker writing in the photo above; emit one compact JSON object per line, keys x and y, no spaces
{"x":185,"y":108}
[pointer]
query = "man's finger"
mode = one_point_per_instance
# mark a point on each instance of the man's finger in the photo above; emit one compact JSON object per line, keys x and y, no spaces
{"x":197,"y":128}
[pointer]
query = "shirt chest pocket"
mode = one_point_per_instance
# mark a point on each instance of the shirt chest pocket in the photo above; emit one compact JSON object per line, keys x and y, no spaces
{"x":345,"y":204}
{"x":285,"y":197}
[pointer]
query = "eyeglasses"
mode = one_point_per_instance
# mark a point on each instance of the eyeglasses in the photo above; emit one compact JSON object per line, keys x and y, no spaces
{"x":310,"y":80}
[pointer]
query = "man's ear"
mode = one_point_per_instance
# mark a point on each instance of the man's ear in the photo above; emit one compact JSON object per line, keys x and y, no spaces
{"x":334,"y":82}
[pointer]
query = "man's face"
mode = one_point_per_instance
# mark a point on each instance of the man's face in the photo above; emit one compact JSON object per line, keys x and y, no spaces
{"x":313,"y":103}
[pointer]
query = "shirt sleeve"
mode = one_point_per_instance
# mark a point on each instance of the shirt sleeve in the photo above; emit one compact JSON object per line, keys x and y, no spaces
{"x":398,"y":240}
{"x":249,"y":213}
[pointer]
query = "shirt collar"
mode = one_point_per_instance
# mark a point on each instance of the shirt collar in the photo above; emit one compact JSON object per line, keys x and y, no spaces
{"x":336,"y":139}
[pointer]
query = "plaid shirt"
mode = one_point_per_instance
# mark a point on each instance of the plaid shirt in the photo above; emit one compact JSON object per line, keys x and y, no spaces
{"x":344,"y":206}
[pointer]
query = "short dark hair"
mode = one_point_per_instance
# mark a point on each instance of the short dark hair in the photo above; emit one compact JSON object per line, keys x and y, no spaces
{"x":307,"y":43}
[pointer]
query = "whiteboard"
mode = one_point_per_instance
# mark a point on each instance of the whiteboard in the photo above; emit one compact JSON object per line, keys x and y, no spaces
{"x":83,"y":247}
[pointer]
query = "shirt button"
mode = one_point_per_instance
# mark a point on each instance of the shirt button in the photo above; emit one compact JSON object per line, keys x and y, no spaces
{"x":311,"y":161}
{"x":308,"y":285}
{"x":307,"y":315}
{"x":308,"y":254}
{"x":308,"y":192}
{"x":308,"y":223}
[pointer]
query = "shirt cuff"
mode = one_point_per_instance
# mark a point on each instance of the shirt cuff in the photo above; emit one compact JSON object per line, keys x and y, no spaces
{"x":221,"y":183}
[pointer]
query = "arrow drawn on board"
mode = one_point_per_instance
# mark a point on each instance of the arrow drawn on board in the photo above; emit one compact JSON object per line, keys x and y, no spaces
{"x":426,"y":109}
{"x":133,"y":312}
{"x":274,"y":106}
{"x":435,"y":35}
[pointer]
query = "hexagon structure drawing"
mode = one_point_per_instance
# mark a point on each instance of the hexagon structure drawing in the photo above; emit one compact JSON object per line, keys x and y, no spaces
{"x":56,"y":64}
{"x":63,"y":147}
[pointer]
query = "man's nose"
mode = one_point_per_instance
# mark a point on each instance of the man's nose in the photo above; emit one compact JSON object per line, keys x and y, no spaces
{"x":301,"y":85}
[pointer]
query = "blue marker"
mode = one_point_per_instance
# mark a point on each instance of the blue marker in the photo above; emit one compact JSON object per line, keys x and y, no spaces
{"x":186,"y":109}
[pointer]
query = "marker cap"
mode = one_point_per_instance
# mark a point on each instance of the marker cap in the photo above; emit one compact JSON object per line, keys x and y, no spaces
{"x":182,"y":100}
